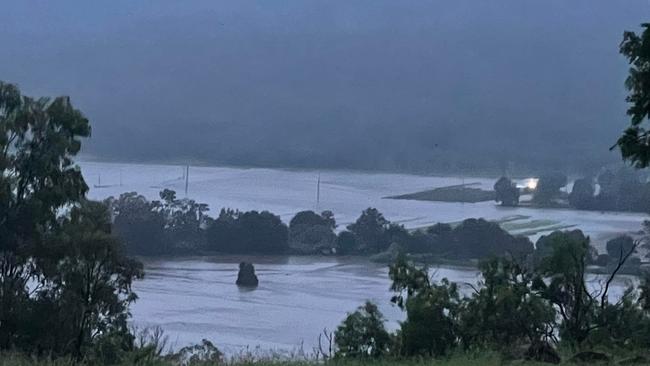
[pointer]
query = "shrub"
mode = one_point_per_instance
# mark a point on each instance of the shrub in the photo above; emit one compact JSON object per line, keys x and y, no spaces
{"x":362,"y":334}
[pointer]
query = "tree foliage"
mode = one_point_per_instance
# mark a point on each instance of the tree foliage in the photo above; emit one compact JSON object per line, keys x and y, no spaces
{"x":635,"y":141}
{"x":247,"y":232}
{"x":506,"y":192}
{"x":431,"y":325}
{"x":362,"y":334}
{"x":548,"y":188}
{"x":582,"y":194}
{"x":369,"y":230}
{"x":311,"y":233}
{"x":65,"y":283}
{"x":505,"y":311}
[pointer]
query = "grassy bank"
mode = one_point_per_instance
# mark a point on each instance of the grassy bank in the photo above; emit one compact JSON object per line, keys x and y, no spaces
{"x":464,"y":360}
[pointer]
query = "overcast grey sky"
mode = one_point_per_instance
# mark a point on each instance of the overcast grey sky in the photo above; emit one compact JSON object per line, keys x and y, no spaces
{"x":355,"y":84}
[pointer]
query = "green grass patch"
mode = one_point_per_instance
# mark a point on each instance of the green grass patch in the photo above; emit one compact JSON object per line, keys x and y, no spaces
{"x":527,"y":225}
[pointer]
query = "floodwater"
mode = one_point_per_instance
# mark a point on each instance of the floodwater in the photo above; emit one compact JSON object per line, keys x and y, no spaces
{"x":345,"y":193}
{"x":298,"y":297}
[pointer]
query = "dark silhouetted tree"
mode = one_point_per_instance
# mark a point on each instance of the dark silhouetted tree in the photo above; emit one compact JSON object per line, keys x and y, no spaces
{"x":38,"y":139}
{"x":310,"y":233}
{"x":346,"y":243}
{"x":362,"y":334}
{"x":505,"y":312}
{"x":481,"y":239}
{"x":548,"y":188}
{"x":620,"y":245}
{"x":140,"y":224}
{"x":507,"y":192}
{"x":89,"y":282}
{"x":582,"y":194}
{"x":635,"y":141}
{"x":431,"y":325}
{"x":370,"y":230}
{"x":248,"y":232}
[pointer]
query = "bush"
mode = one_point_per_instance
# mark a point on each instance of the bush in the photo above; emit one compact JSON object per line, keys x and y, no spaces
{"x":139,"y":225}
{"x":506,"y":192}
{"x":620,"y":246}
{"x":431,"y":326}
{"x":369,"y":230}
{"x":310,"y":233}
{"x":362,"y":334}
{"x":479,"y":239}
{"x":248,"y":232}
{"x":582,"y":194}
{"x":548,"y":188}
{"x":158,"y":227}
{"x":346,"y":243}
{"x":505,"y":312}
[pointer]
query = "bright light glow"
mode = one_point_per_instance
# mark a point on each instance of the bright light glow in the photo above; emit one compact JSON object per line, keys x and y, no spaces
{"x":531,"y":183}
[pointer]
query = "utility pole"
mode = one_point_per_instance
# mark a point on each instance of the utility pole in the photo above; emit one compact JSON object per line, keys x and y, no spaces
{"x":187,"y":178}
{"x":318,"y":191}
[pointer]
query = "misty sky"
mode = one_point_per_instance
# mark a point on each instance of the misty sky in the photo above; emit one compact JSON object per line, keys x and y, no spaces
{"x":376,"y":84}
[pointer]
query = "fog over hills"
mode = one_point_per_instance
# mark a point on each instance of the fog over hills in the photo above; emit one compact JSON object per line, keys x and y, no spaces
{"x":369,"y":84}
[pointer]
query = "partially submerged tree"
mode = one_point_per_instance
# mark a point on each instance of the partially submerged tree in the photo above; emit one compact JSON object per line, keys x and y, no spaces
{"x":548,"y":188}
{"x":507,"y":192}
{"x":582,"y":194}
{"x":620,"y":245}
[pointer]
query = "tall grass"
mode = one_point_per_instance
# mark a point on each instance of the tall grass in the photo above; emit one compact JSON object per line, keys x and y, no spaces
{"x":460,"y":360}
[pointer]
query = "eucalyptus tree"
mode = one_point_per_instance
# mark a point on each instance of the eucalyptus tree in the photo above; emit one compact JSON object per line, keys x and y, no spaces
{"x":635,"y":140}
{"x":38,"y":139}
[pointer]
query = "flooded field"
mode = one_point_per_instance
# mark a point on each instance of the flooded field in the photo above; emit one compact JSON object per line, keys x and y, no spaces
{"x":196,"y":298}
{"x":346,"y":193}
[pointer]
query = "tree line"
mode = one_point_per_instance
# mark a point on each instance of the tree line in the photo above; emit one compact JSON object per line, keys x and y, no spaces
{"x":181,"y":226}
{"x":621,"y":189}
{"x":536,"y":307}
{"x":172,"y":226}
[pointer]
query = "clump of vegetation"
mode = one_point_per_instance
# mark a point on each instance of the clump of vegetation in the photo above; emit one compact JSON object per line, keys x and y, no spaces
{"x":507,"y":192}
{"x":582,"y":194}
{"x":635,"y":142}
{"x":527,"y":307}
{"x":362,"y":334}
{"x":618,"y":190}
{"x":311,"y":233}
{"x":246,"y":276}
{"x":247,"y":232}
{"x":65,"y":282}
{"x":548,"y":188}
{"x":170,"y":225}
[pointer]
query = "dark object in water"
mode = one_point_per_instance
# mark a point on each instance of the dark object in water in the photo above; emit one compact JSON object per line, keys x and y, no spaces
{"x":246,"y":276}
